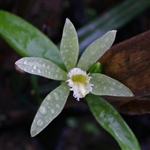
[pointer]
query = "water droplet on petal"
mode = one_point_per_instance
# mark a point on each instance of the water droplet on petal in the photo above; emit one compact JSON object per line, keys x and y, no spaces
{"x":43,"y":110}
{"x":111,"y":89}
{"x":25,"y":62}
{"x":114,"y":83}
{"x":40,"y":123}
{"x":34,"y":67}
{"x":43,"y":64}
{"x":57,"y":105}
{"x":120,"y":86}
{"x":104,"y":87}
{"x":39,"y":71}
{"x":52,"y":111}
{"x":48,"y":97}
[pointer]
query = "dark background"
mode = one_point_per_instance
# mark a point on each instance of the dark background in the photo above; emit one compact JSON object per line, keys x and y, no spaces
{"x":75,"y":128}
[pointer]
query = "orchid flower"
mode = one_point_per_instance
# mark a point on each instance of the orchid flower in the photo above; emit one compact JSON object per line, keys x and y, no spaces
{"x":75,"y":77}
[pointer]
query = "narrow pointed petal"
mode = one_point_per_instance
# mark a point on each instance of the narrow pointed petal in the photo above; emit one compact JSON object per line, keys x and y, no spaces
{"x":41,"y":67}
{"x":95,"y":50}
{"x":104,"y":85}
{"x":112,"y":122}
{"x":69,"y":47}
{"x":50,"y":108}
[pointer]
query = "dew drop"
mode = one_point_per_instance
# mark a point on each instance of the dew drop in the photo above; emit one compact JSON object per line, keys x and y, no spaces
{"x":39,"y":71}
{"x":111,"y":89}
{"x":56,"y":96}
{"x":43,"y":110}
{"x":120,"y":86}
{"x":25,"y":62}
{"x":44,"y":65}
{"x":114,"y":83}
{"x":34,"y":67}
{"x":40,"y":123}
{"x":57,"y":105}
{"x":48,"y":97}
{"x":104,"y":87}
{"x":52,"y":111}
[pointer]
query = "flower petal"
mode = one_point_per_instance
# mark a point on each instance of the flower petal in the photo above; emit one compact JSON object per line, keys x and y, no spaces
{"x":104,"y":85}
{"x":41,"y":67}
{"x":79,"y":81}
{"x":95,"y":50}
{"x":112,"y":122}
{"x":69,"y":47}
{"x":50,"y":108}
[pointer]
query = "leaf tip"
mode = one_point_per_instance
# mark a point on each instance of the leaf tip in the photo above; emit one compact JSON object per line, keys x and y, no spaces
{"x":114,"y":31}
{"x":67,"y":20}
{"x":33,"y":133}
{"x":17,"y":63}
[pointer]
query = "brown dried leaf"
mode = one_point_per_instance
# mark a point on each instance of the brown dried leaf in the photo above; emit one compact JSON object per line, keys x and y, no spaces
{"x":129,"y":62}
{"x":133,"y":105}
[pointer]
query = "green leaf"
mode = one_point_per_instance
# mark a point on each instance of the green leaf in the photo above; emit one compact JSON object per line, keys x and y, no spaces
{"x":41,"y":67}
{"x":114,"y":18}
{"x":28,"y":40}
{"x":95,"y":50}
{"x":95,"y":68}
{"x":105,"y":85}
{"x":50,"y":108}
{"x":69,"y":48}
{"x":112,"y":122}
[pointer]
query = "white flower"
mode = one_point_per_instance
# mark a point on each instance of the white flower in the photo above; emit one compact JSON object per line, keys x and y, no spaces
{"x":79,"y":81}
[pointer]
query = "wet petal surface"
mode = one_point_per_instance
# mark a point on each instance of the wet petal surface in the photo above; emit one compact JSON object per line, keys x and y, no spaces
{"x":104,"y":85}
{"x":50,"y":108}
{"x":41,"y":67}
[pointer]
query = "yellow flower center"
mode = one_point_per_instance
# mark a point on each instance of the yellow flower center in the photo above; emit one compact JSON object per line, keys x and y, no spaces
{"x":79,"y":78}
{"x":79,"y":83}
